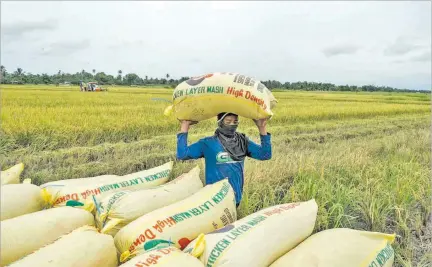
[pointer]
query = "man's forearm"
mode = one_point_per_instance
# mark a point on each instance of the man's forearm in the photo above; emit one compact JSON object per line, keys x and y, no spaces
{"x":184,"y":128}
{"x":262,"y":130}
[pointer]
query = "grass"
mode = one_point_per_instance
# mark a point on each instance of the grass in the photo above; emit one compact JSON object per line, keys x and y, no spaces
{"x":364,"y":157}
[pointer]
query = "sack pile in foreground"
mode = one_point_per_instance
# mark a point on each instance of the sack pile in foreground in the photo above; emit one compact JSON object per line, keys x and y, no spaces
{"x":143,"y":220}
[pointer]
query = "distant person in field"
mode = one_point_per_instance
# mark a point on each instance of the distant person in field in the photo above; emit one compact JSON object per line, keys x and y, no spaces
{"x":225,"y":151}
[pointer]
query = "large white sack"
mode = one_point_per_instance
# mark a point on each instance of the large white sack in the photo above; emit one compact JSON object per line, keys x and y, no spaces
{"x":20,"y":199}
{"x":209,"y":209}
{"x":84,"y":247}
{"x":164,"y":257}
{"x":341,"y":247}
{"x":258,"y":239}
{"x":58,"y":194}
{"x":118,"y":209}
{"x":22,"y":235}
{"x":203,"y":97}
{"x":12,"y":175}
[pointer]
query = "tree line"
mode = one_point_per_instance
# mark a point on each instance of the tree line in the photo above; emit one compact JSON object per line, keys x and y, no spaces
{"x":19,"y":76}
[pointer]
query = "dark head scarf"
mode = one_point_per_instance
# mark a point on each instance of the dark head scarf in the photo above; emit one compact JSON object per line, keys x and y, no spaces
{"x":234,"y":143}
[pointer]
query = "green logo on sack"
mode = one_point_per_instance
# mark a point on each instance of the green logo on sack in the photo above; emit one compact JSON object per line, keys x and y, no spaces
{"x":223,"y":157}
{"x":157,"y":244}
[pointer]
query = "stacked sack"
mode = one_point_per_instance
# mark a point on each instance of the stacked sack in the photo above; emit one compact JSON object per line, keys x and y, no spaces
{"x":36,"y":227}
{"x":12,"y":175}
{"x":119,"y":209}
{"x":18,"y":199}
{"x":86,"y":190}
{"x":209,"y":209}
{"x":258,"y":239}
{"x":164,"y":256}
{"x":180,"y":223}
{"x":280,"y":236}
{"x":83,"y":247}
{"x":22,"y":235}
{"x":204,"y":97}
{"x":341,"y":247}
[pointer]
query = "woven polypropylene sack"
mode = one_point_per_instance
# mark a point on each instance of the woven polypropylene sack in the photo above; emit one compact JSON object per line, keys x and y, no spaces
{"x":20,"y":199}
{"x":340,"y":248}
{"x":58,"y":194}
{"x":210,"y":208}
{"x":118,"y":209}
{"x":164,"y":257}
{"x":204,"y":97}
{"x":84,"y":247}
{"x":23,"y":235}
{"x":258,"y":239}
{"x":12,"y":175}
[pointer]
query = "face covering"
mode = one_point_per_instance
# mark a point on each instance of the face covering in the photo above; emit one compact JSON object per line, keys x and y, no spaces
{"x":234,"y":143}
{"x":227,"y":130}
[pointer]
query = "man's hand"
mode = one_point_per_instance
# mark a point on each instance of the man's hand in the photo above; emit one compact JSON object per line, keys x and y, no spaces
{"x":261,"y":124}
{"x":184,"y":125}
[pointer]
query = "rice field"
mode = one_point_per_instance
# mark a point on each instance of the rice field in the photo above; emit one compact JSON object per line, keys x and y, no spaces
{"x":364,"y":157}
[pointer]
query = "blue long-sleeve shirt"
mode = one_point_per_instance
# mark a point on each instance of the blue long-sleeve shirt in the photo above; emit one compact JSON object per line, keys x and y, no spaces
{"x":218,"y":163}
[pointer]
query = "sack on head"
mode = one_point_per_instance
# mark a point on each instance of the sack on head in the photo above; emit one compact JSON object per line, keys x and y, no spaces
{"x":204,"y":97}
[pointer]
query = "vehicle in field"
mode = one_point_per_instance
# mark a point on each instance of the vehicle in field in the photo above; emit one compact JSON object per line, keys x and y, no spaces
{"x":91,"y":87}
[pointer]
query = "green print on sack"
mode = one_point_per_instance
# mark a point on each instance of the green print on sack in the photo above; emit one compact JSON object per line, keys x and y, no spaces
{"x":198,"y":90}
{"x":383,"y":256}
{"x":231,"y":236}
{"x":136,"y":181}
{"x":206,"y":206}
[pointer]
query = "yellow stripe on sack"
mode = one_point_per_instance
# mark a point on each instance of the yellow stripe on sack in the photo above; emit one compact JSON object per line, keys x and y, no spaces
{"x":47,"y":198}
{"x":89,"y":206}
{"x":388,"y":239}
{"x":199,"y":246}
{"x":168,"y":110}
{"x":103,"y":216}
{"x":125,"y":256}
{"x":110,"y":225}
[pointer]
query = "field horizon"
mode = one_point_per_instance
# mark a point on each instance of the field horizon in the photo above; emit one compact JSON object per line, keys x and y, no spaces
{"x":365,"y":157}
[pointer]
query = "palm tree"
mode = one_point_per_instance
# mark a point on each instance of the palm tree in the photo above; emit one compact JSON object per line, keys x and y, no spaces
{"x":94,"y":72}
{"x":19,"y":71}
{"x":167,"y":76}
{"x":120,"y":72}
{"x":3,"y":71}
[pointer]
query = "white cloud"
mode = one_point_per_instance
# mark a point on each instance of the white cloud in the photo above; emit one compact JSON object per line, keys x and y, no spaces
{"x":375,"y":42}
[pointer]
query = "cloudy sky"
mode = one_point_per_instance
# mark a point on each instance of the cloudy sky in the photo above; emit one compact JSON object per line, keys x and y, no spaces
{"x":356,"y":42}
